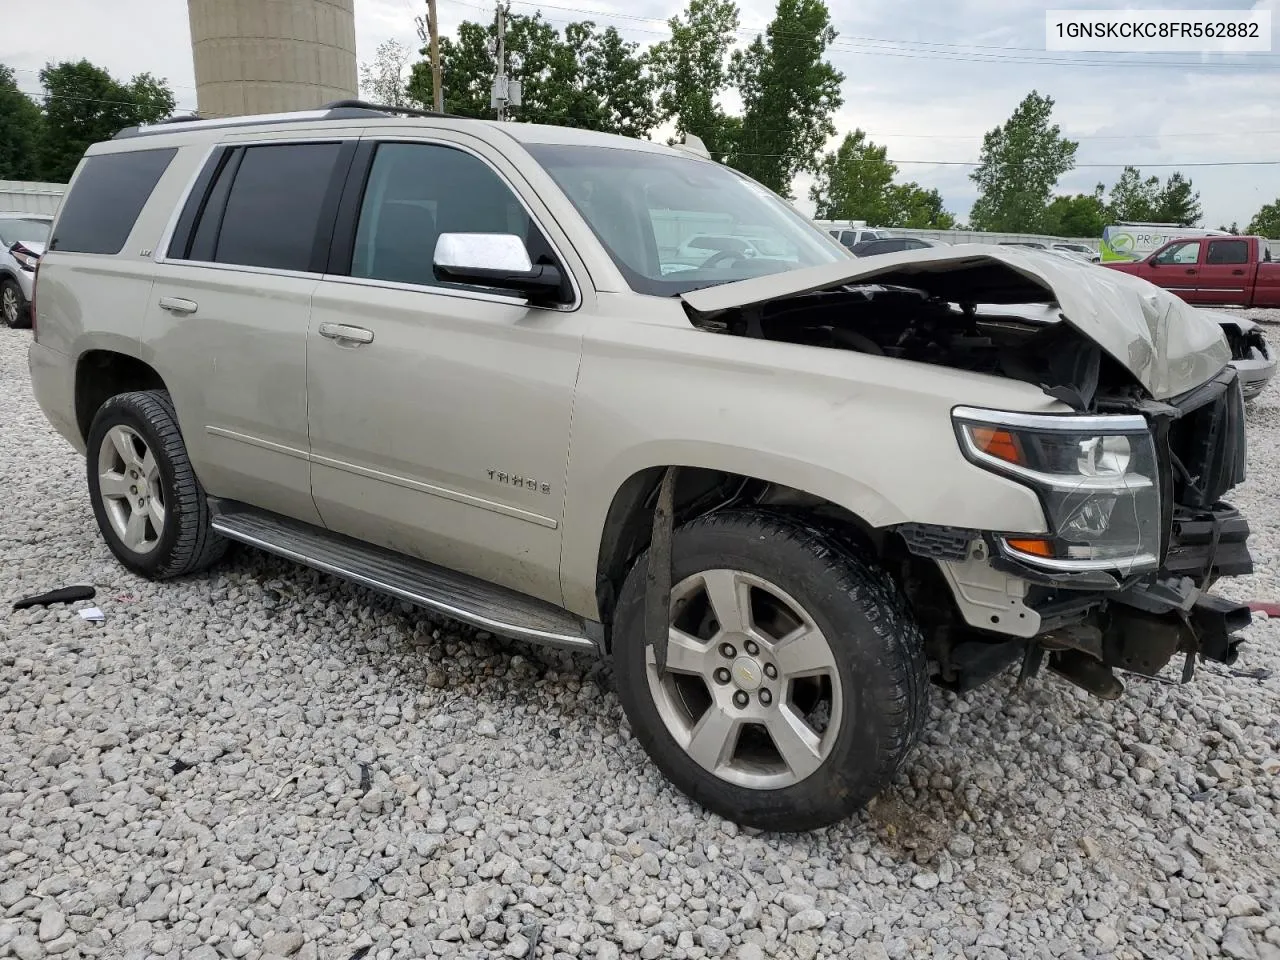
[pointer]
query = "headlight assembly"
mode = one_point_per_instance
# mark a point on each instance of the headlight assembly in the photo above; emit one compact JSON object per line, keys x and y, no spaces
{"x":1096,"y":477}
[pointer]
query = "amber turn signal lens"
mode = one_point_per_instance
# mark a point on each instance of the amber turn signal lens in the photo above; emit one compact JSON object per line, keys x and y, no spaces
{"x":1039,"y":548}
{"x":998,"y":443}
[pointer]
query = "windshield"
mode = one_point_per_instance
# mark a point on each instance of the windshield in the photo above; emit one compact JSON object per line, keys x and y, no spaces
{"x":26,"y":231}
{"x":674,"y":224}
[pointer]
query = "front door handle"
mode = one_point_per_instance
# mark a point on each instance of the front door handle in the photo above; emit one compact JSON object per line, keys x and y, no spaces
{"x":1192,"y":270}
{"x":1237,"y":273}
{"x":343,"y":332}
{"x":178,"y":305}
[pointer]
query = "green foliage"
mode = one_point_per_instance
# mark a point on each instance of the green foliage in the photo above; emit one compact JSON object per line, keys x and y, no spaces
{"x":1021,"y":162}
{"x":586,"y":78}
{"x":1082,"y":215}
{"x":693,"y":70}
{"x":85,"y":105}
{"x":856,"y":183}
{"x":19,"y":130}
{"x":1266,"y":222}
{"x":789,"y":92}
{"x":1144,"y":200}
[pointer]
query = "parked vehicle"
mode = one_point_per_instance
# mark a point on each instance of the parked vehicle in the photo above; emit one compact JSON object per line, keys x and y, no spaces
{"x":850,"y":234}
{"x":868,"y":248}
{"x":1135,"y":241}
{"x":1078,"y":250}
{"x":442,"y":358}
{"x":22,"y":241}
{"x":1251,"y":355}
{"x":1218,"y":270}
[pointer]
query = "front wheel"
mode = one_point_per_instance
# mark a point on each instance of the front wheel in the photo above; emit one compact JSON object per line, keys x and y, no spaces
{"x":150,"y":506}
{"x":795,"y":681}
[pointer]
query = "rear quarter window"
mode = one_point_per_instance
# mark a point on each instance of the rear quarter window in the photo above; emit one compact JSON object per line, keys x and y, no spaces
{"x":105,"y":200}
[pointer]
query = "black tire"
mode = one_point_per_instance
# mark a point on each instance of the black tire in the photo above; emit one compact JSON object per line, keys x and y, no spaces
{"x":877,"y":648}
{"x":187,"y":542}
{"x":9,"y":287}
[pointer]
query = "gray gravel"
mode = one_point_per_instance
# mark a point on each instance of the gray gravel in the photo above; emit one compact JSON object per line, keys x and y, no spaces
{"x":266,"y":762}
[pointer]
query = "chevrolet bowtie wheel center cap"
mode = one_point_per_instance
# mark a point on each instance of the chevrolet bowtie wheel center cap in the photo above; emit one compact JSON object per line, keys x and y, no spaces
{"x":747,"y":674}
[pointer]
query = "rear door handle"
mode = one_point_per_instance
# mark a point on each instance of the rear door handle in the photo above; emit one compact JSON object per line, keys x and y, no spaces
{"x":178,"y":305}
{"x":1192,"y":270}
{"x":343,"y":332}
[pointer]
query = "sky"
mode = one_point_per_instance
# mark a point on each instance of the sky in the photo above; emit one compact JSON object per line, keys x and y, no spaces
{"x":925,"y":77}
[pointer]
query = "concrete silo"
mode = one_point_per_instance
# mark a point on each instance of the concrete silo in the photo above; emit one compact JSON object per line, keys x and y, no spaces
{"x":269,"y":56}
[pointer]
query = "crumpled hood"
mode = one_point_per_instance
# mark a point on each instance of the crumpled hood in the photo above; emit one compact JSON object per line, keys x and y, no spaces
{"x":1168,"y":345}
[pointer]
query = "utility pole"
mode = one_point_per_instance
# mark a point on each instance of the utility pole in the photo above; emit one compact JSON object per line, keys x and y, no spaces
{"x":506,"y":92}
{"x":429,"y":33}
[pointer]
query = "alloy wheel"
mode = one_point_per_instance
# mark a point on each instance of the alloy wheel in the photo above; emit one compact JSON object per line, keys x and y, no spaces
{"x":751,"y":691}
{"x":130,"y":487}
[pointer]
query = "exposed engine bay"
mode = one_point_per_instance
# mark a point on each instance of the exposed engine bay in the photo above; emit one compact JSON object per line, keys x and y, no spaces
{"x":907,"y":324}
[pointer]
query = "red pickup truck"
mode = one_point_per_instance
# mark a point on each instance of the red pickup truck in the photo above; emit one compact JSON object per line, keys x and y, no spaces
{"x":1222,"y":270}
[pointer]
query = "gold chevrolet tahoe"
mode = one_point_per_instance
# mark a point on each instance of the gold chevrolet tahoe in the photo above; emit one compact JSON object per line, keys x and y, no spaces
{"x":613,"y":396}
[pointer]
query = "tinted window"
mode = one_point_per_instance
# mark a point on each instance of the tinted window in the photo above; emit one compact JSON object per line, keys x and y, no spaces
{"x":416,"y":192}
{"x":1228,"y":251}
{"x":104,"y":204}
{"x":274,"y":206}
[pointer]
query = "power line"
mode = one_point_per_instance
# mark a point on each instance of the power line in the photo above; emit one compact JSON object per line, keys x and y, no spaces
{"x":32,"y":70}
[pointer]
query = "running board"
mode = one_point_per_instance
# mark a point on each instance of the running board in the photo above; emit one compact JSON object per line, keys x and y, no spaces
{"x":469,"y":599}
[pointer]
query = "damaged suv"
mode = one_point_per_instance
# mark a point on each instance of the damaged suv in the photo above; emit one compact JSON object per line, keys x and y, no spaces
{"x":477,"y":366}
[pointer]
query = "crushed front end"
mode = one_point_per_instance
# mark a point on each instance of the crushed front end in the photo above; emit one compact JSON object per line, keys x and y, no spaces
{"x":1137,"y":535}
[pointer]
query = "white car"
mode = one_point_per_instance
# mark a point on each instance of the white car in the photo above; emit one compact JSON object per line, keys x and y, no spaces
{"x":22,"y":241}
{"x":1077,"y":249}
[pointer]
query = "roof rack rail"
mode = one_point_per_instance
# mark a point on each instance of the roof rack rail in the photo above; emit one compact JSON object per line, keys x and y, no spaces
{"x":381,"y":108}
{"x":337,"y":110}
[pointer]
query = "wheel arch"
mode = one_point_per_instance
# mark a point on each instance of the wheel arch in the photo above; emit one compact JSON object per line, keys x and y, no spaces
{"x":103,"y":374}
{"x":699,"y":490}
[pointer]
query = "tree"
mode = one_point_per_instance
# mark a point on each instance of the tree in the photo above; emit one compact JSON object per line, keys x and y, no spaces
{"x":84,"y":104}
{"x":384,"y":81}
{"x":1082,"y":215}
{"x":918,"y":208}
{"x":856,"y":183}
{"x":19,"y":130}
{"x":1266,"y":222}
{"x":1133,"y":199}
{"x":692,"y":70}
{"x":853,"y":182}
{"x":789,"y":93}
{"x":1138,"y":200}
{"x":1178,"y":203}
{"x":588,"y":78}
{"x":1020,"y":164}
{"x":466,"y":68}
{"x":1234,"y":229}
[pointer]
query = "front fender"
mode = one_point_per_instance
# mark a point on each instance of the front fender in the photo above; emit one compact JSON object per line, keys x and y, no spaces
{"x":870,"y":434}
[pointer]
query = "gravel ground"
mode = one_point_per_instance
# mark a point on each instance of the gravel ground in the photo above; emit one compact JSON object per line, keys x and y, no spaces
{"x":268,"y":762}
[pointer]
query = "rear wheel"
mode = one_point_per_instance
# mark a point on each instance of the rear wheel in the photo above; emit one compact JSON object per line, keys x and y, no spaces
{"x":795,"y":681}
{"x":150,"y":507}
{"x":15,"y":311}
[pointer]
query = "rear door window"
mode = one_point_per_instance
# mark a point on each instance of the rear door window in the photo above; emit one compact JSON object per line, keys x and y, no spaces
{"x":275,"y":205}
{"x":109,"y":194}
{"x":1228,"y":251}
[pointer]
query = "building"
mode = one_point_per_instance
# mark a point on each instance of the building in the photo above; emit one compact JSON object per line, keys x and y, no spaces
{"x":270,"y":56}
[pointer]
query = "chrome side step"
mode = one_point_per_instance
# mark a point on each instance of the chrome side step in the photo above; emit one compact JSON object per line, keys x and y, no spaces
{"x":469,"y":599}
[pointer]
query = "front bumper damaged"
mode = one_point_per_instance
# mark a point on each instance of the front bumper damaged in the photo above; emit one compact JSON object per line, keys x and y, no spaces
{"x":1087,"y":628}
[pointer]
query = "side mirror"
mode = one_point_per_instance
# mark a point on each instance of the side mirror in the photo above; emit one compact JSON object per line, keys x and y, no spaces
{"x":497,"y":260}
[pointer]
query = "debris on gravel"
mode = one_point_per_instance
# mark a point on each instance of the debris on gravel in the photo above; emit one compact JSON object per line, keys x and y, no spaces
{"x":267,"y":762}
